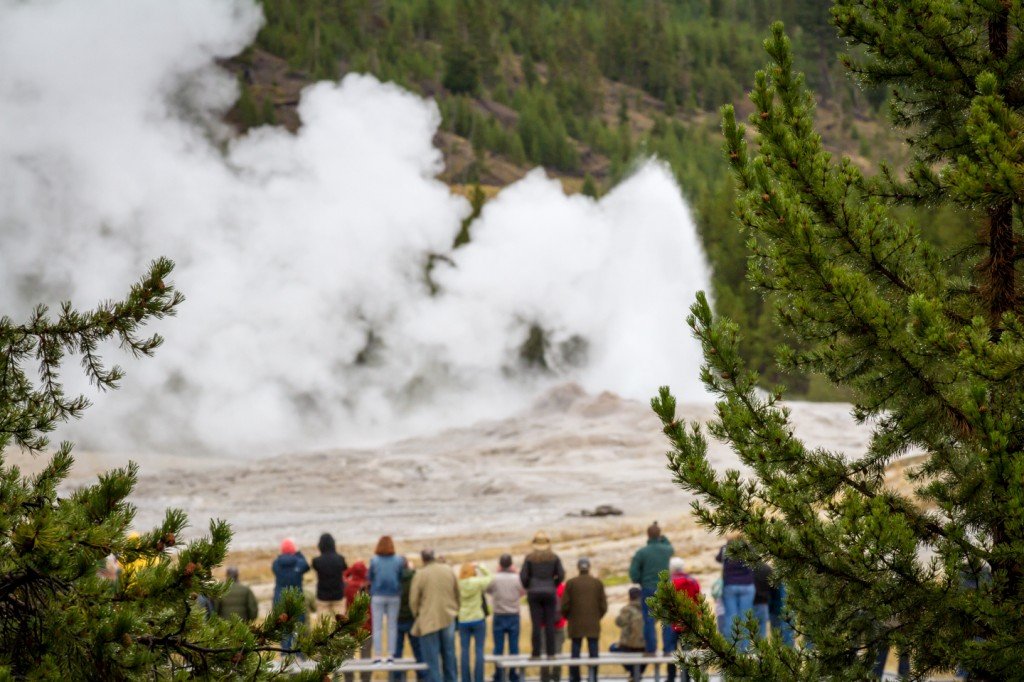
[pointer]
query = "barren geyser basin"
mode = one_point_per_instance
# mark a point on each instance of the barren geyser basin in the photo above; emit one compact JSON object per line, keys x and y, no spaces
{"x":319,"y":377}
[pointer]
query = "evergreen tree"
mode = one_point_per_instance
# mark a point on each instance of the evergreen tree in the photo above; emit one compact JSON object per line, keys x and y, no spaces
{"x":931,"y":351}
{"x":477,"y":199}
{"x":59,"y":617}
{"x":461,"y":66}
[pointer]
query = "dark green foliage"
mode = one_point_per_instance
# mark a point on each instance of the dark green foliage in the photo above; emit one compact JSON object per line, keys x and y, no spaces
{"x":461,"y":68}
{"x":926,"y":336}
{"x":246,"y":110}
{"x":59,"y":619}
{"x":477,"y":198}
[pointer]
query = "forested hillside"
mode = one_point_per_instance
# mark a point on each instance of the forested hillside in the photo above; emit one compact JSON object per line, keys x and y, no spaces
{"x":581,"y":87}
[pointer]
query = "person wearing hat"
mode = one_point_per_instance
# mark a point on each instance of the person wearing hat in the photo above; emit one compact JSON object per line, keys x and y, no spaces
{"x":288,"y":569}
{"x":631,"y":632}
{"x":645,"y":569}
{"x":239,"y":600}
{"x":541,"y":575}
{"x":506,"y":590}
{"x":584,"y":603}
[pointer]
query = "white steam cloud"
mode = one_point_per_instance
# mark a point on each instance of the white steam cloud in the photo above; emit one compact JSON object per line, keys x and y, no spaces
{"x":309,"y":320}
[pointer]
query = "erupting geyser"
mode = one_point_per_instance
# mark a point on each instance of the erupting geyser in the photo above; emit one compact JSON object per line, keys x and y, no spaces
{"x":309,"y":320}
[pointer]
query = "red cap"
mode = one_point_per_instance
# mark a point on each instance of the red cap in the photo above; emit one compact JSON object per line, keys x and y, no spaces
{"x":287,"y":546}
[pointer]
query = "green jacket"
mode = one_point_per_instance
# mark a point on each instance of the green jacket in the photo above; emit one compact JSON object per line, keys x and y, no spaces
{"x":238,"y":601}
{"x":649,"y":561}
{"x":404,"y":611}
{"x":471,"y":596}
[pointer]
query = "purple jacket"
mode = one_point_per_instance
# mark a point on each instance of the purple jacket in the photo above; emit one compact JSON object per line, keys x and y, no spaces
{"x":734,"y":572}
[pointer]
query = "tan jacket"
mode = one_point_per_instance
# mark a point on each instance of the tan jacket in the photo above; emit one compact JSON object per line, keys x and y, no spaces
{"x":631,"y":620}
{"x":583,"y":604}
{"x":433,"y":598}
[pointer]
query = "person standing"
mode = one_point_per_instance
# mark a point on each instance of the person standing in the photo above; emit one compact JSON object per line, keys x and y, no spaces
{"x":385,"y":594}
{"x":405,"y":621}
{"x":776,"y":603}
{"x":631,"y":633}
{"x":288,"y":569}
{"x":737,"y":588}
{"x":357,"y":583}
{"x":238,"y":600}
{"x":762,"y":597}
{"x":553,"y":673}
{"x":506,"y":591}
{"x":584,"y":603}
{"x":645,"y":569}
{"x":434,"y":602}
{"x":330,"y":570}
{"x":473,"y":581}
{"x":682,"y":582}
{"x":541,"y":575}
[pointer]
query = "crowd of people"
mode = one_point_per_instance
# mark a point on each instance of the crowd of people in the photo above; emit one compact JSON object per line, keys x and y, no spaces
{"x":433,"y":606}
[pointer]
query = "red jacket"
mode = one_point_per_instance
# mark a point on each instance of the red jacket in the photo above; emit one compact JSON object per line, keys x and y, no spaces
{"x":356,"y":581}
{"x":688,"y":584}
{"x":559,"y":591}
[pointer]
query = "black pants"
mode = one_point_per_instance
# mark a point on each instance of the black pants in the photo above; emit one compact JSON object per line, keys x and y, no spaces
{"x":577,"y":644}
{"x":636,"y":672}
{"x":543,"y":618}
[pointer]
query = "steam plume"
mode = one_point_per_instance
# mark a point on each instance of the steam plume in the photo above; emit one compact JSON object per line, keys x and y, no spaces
{"x":309,"y":320}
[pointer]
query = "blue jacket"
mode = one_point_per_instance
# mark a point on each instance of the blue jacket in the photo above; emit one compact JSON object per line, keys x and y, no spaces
{"x":288,"y":570}
{"x":386,"y":575}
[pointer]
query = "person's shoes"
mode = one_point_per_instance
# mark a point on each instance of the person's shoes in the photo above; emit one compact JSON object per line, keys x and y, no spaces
{"x":650,"y":654}
{"x":389,"y":660}
{"x":376,"y":661}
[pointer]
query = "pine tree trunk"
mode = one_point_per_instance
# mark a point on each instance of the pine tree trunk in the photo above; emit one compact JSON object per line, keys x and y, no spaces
{"x":998,"y":269}
{"x":1000,"y":281}
{"x":1000,"y":289}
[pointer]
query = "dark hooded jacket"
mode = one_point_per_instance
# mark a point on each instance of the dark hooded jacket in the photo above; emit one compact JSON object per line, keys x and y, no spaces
{"x":330,"y":570}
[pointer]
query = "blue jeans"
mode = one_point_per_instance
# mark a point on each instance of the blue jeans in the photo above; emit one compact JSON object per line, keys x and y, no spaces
{"x":761,"y":612}
{"x":475,"y":630}
{"x":506,"y":625}
{"x":438,"y":651}
{"x":738,"y":600}
{"x":380,"y":606}
{"x":404,"y":630}
{"x":780,"y":625}
{"x":650,"y":631}
{"x":671,"y":640}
